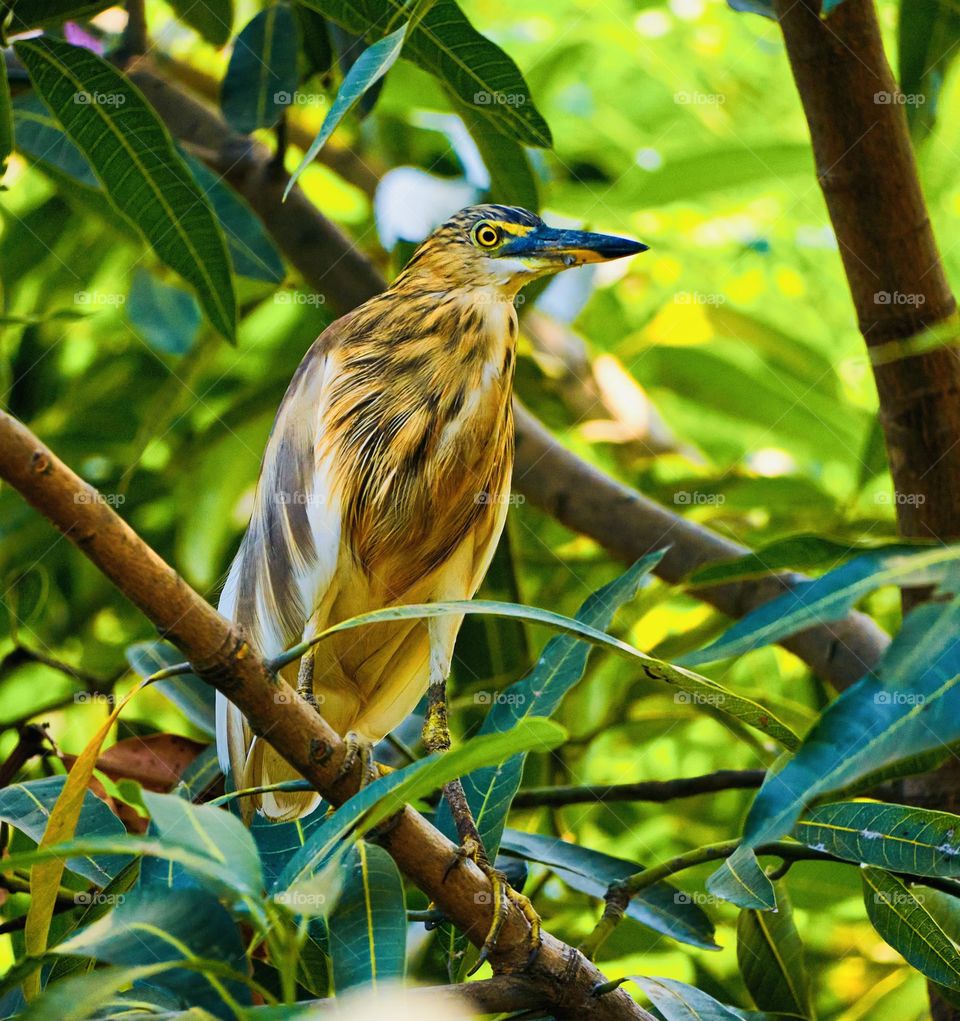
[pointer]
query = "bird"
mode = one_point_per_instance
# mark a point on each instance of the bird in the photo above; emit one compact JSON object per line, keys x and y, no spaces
{"x":386,"y":481}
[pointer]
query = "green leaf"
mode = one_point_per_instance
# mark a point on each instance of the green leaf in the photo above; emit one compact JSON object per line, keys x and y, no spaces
{"x":661,"y":907}
{"x":770,"y":955}
{"x":251,"y":248}
{"x":6,"y":123}
{"x":697,"y":690}
{"x":29,"y":14}
{"x":490,"y":791}
{"x":446,"y":45}
{"x":741,"y":881}
{"x":38,"y":135}
{"x":677,"y":1001}
{"x":368,"y":927}
{"x":262,"y":75}
{"x":379,"y":800}
{"x":512,"y":181}
{"x":928,"y":32}
{"x":830,"y":598}
{"x":194,"y":698}
{"x":909,"y":705}
{"x":917,"y":841}
{"x":134,"y":159}
{"x":27,"y":807}
{"x":902,"y":920}
{"x":316,"y":48}
{"x":180,"y":925}
{"x":796,"y":553}
{"x":209,"y":832}
{"x":199,"y":776}
{"x":167,"y":317}
{"x":368,"y":69}
{"x":763,"y":7}
{"x":213,"y":19}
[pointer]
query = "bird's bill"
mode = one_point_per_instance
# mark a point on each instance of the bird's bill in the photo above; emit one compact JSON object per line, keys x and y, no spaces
{"x":570,"y":247}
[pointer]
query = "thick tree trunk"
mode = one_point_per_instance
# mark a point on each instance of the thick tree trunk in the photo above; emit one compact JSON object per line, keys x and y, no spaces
{"x":867,"y":171}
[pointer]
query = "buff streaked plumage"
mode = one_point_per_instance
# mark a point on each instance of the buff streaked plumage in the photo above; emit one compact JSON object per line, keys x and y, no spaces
{"x":385,"y":481}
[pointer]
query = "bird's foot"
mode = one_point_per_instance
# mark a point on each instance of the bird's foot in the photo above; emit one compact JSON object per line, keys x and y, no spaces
{"x":501,"y":895}
{"x":358,"y":750}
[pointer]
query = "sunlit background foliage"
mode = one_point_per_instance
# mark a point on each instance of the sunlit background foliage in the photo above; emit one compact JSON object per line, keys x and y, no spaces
{"x":722,"y":374}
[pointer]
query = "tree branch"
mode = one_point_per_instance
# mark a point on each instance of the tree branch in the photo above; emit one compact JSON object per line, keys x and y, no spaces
{"x":576,"y":493}
{"x":219,"y":654}
{"x":655,"y":791}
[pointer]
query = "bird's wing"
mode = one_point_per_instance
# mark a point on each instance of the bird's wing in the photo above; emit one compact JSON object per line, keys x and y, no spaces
{"x":289,"y":553}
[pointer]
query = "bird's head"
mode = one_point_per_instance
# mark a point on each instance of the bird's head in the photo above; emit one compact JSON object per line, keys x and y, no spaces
{"x":505,"y":247}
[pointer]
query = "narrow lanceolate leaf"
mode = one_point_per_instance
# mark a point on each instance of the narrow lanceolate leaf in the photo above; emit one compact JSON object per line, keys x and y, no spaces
{"x":490,"y":791}
{"x":661,"y":907}
{"x":262,"y":75}
{"x":368,"y":69}
{"x":29,"y":14}
{"x":927,"y":35}
{"x":6,"y":123}
{"x":135,"y":161}
{"x":763,"y":7}
{"x":910,"y":705}
{"x":167,"y":317}
{"x":917,"y":841}
{"x":830,"y":597}
{"x":191,"y":695}
{"x":770,"y":955}
{"x":379,"y":800}
{"x":902,"y":920}
{"x":367,"y":928}
{"x":38,"y":135}
{"x":700,"y":690}
{"x":445,"y":44}
{"x":677,"y":1001}
{"x":213,"y":19}
{"x":742,"y":881}
{"x":175,"y":927}
{"x":65,"y":814}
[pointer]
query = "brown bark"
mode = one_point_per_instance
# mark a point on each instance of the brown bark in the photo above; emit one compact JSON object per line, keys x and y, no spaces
{"x":564,"y":978}
{"x":867,"y":171}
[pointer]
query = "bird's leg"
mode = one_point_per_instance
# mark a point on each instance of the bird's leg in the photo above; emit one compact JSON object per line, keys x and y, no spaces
{"x":436,"y":738}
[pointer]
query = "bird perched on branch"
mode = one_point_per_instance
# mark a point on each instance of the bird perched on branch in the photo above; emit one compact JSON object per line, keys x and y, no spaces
{"x":386,"y":481}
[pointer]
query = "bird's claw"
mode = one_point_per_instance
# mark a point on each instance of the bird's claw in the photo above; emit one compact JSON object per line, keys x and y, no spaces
{"x":358,"y":750}
{"x":502,"y":894}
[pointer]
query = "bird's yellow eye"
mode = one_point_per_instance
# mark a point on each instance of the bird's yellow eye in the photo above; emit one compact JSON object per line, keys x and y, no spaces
{"x":487,"y":235}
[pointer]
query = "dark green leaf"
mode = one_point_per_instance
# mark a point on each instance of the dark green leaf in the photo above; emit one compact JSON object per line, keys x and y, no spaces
{"x":213,"y":19}
{"x":660,"y":907}
{"x":697,"y":690}
{"x":831,"y":597}
{"x":252,"y":250}
{"x":449,"y":47}
{"x":677,"y":1001}
{"x":262,"y":75}
{"x":770,"y":956}
{"x":38,"y":135}
{"x":490,"y":792}
{"x":928,"y":32}
{"x":741,"y":881}
{"x":29,"y":14}
{"x":315,"y":45}
{"x":27,"y":807}
{"x":145,"y":928}
{"x":367,"y":928}
{"x":909,"y":705}
{"x":764,"y":7}
{"x":6,"y":123}
{"x":368,"y":69}
{"x":168,"y":318}
{"x":138,"y":166}
{"x":902,"y":920}
{"x":199,"y":776}
{"x":195,"y":698}
{"x":918,"y":841}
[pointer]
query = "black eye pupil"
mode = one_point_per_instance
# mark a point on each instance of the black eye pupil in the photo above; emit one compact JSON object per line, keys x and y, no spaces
{"x":487,"y":236}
